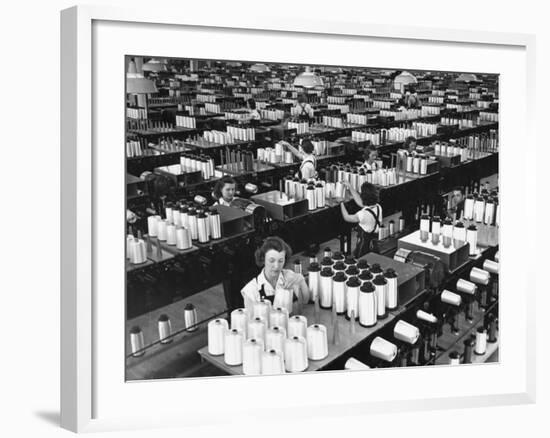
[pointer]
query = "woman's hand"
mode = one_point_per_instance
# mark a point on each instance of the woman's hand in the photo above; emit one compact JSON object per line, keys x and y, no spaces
{"x":293,"y":281}
{"x":301,"y":290}
{"x":299,"y":286}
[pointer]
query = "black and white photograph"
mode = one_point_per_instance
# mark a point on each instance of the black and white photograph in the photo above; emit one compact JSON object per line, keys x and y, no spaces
{"x":289,"y":218}
{"x":261,"y":219}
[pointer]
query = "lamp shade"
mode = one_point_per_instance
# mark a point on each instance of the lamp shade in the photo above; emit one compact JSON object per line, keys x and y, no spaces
{"x":402,"y":79}
{"x":136,"y":83}
{"x":335,"y":70}
{"x":466,"y":77}
{"x":154,"y":65}
{"x":308,"y":79}
{"x":259,"y":68}
{"x":140,"y":86}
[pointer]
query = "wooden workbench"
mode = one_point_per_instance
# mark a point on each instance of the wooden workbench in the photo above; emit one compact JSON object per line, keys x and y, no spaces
{"x":407,"y":276}
{"x":168,"y":360}
{"x":347,"y":339}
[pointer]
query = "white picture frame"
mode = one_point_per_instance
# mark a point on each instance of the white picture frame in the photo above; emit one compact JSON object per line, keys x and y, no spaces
{"x":83,"y":370}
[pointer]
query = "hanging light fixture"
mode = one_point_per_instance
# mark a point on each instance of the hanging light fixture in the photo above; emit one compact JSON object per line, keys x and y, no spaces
{"x":402,"y":79}
{"x":308,"y":79}
{"x":259,"y":68}
{"x":467,"y":77}
{"x":334,"y":70}
{"x":136,"y":83}
{"x":154,"y":65}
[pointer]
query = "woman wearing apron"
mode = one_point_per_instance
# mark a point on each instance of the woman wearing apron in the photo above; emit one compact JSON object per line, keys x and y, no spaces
{"x":369,"y":218}
{"x":309,"y":162}
{"x":412,"y":99}
{"x":274,"y":283}
{"x":303,"y":110}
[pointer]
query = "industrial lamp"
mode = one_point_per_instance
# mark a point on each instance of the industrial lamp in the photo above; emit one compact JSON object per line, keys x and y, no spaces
{"x":154,"y":65}
{"x":467,"y":77}
{"x":402,"y":79}
{"x":259,"y":68}
{"x":136,"y":83}
{"x":308,"y":79}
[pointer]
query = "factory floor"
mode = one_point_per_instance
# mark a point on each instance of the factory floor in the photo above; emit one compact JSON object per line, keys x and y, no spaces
{"x":334,"y":245}
{"x":206,"y":370}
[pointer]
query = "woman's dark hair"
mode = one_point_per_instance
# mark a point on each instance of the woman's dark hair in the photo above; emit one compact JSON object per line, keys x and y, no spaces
{"x":307,"y":146}
{"x":368,"y":150}
{"x":221,"y":183}
{"x":302,"y":98}
{"x":459,"y":190}
{"x":409,"y":140}
{"x":369,"y":194}
{"x":251,"y":103}
{"x":275,"y":243}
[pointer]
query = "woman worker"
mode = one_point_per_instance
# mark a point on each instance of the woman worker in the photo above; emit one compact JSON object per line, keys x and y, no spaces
{"x":410,"y":145}
{"x":412,"y":99}
{"x":456,"y":204}
{"x":224,"y":191}
{"x":370,"y":155}
{"x":253,"y":112}
{"x":369,"y":218}
{"x":303,"y":110}
{"x":309,"y":162}
{"x":274,"y":283}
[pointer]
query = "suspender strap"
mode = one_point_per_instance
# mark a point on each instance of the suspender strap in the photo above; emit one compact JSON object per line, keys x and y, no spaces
{"x":306,"y":161}
{"x":271,"y":298}
{"x":304,"y":112}
{"x":263,"y":294}
{"x":377,"y":225}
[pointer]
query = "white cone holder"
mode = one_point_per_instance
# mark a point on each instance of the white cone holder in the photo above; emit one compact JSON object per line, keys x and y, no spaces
{"x":317,"y":342}
{"x":406,"y":332}
{"x":383,"y":349}
{"x":216,"y":336}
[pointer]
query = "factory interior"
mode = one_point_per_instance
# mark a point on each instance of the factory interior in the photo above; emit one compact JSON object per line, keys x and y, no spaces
{"x":298,"y":218}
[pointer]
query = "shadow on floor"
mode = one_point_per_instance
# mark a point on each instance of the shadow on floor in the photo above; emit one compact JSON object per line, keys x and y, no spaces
{"x":49,"y":417}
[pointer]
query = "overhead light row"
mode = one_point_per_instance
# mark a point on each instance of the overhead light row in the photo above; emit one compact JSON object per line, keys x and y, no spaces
{"x":136,"y":82}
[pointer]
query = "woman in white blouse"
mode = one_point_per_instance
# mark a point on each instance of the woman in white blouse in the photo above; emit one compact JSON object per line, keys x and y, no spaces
{"x":224,"y":191}
{"x":370,"y":155}
{"x":369,"y":218}
{"x":253,"y":112}
{"x":274,"y":283}
{"x":410,"y":146}
{"x":307,"y":155}
{"x":302,"y":109}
